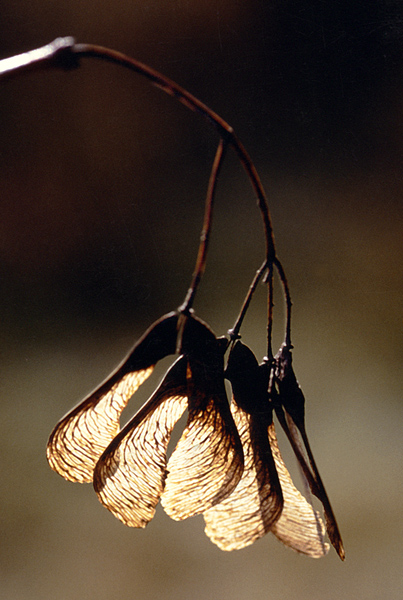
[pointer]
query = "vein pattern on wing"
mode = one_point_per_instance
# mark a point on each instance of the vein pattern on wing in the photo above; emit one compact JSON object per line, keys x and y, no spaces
{"x":130,"y":475}
{"x":299,"y":526}
{"x":79,"y":439}
{"x":255,"y":504}
{"x":207,"y":462}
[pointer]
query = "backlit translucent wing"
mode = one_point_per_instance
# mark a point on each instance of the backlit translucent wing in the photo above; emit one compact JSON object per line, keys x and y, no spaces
{"x":206,"y":464}
{"x":129,"y":477}
{"x":79,"y":439}
{"x":312,"y":476}
{"x":290,"y":414}
{"x":299,"y":526}
{"x":253,"y":507}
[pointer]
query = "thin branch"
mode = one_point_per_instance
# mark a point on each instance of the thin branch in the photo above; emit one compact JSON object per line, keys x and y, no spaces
{"x":65,"y":53}
{"x":57,"y":54}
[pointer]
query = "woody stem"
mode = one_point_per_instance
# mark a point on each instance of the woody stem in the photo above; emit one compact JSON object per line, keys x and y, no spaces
{"x":65,"y":53}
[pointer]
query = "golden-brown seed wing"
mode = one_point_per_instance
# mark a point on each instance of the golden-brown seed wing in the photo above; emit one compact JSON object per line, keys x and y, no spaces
{"x":292,"y":419}
{"x":79,"y":439}
{"x":250,"y":510}
{"x":206,"y":464}
{"x":299,"y":526}
{"x":299,"y":441}
{"x":129,"y":476}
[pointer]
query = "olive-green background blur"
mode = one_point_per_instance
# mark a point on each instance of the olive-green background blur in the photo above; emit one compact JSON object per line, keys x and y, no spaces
{"x":102,"y":185}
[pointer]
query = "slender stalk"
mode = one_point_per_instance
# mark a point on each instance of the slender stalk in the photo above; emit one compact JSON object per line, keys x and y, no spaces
{"x":287,"y":296}
{"x":270,"y":304}
{"x":206,"y":231}
{"x":234,"y":332}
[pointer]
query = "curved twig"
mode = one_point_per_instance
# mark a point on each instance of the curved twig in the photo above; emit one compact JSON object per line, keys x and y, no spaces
{"x":65,"y":53}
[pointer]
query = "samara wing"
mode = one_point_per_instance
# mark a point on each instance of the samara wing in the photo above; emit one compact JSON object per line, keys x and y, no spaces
{"x":79,"y":439}
{"x":207,"y":462}
{"x":291,"y":415}
{"x":255,"y":505}
{"x":130,"y":475}
{"x":300,"y":527}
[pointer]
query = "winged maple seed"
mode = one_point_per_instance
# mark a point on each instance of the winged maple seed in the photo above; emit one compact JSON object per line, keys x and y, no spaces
{"x":265,"y":498}
{"x":206,"y":465}
{"x":289,"y":405}
{"x":131,"y":470}
{"x":227,"y":464}
{"x":78,"y":440}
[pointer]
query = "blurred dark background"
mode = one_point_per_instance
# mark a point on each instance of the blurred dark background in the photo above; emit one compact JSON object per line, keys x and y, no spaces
{"x":102,"y":185}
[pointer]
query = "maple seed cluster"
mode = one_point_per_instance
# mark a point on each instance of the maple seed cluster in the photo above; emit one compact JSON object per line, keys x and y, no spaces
{"x":226,"y":465}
